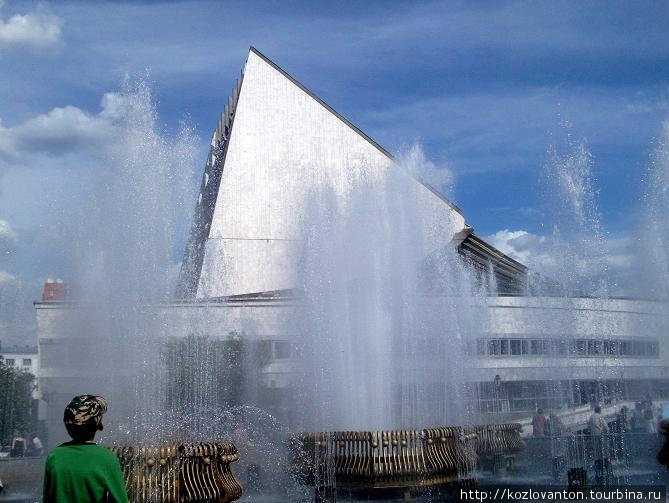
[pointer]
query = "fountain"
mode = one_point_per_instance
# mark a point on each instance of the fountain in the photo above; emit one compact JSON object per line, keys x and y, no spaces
{"x":383,"y":460}
{"x":180,"y":473}
{"x":336,"y":318}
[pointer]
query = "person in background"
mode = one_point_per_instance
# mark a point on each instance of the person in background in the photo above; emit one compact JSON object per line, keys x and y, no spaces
{"x":647,"y":402}
{"x":81,"y":471}
{"x":623,"y":424}
{"x":555,"y":430}
{"x":649,"y":417}
{"x":599,"y":430}
{"x":597,"y":424}
{"x":637,"y":418}
{"x":663,"y":455}
{"x":554,"y":425}
{"x":35,"y":448}
{"x":18,"y":445}
{"x":539,"y":424}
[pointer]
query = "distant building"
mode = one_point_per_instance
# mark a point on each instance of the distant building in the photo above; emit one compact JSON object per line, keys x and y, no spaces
{"x":25,"y":358}
{"x":55,"y":291}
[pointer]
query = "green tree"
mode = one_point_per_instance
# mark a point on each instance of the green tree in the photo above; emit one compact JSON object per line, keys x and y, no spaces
{"x":205,"y":372}
{"x":16,"y":403}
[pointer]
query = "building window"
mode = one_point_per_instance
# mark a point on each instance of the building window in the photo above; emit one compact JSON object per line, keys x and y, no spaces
{"x":559,"y":347}
{"x":281,"y":349}
{"x":480,"y":347}
{"x":564,"y":347}
{"x":27,"y":362}
{"x":611,"y":347}
{"x":594,"y":347}
{"x":580,"y":347}
{"x":10,"y":362}
{"x":539,"y":347}
{"x":534,"y":347}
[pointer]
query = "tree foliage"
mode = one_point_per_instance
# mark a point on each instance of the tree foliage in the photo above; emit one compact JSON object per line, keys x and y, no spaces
{"x":16,"y":403}
{"x":205,"y":372}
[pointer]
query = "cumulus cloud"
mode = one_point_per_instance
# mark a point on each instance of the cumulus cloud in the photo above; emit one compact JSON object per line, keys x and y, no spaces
{"x":527,"y":248}
{"x":557,"y":257}
{"x":62,"y":130}
{"x":17,"y":318}
{"x":6,"y":231}
{"x":6,"y":278}
{"x":35,"y":30}
{"x":8,"y":239}
{"x":415,"y":161}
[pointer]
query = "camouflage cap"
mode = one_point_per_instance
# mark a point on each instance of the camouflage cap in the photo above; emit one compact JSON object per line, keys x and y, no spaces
{"x":85,"y":409}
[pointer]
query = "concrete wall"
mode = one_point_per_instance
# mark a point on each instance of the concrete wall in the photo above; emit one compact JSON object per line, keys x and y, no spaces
{"x":270,"y":320}
{"x":559,"y":318}
{"x":518,"y":317}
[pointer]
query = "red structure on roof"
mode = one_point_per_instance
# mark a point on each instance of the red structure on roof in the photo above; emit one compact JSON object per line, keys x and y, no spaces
{"x":54,"y":291}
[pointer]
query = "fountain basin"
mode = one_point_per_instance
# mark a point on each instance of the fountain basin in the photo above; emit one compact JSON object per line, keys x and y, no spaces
{"x":180,"y":473}
{"x":368,"y":460}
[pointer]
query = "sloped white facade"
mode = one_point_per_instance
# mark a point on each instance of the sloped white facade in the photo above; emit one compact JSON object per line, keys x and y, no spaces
{"x":284,"y":147}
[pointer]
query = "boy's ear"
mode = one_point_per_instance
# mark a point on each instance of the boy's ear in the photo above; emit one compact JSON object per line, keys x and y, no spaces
{"x":101,"y":425}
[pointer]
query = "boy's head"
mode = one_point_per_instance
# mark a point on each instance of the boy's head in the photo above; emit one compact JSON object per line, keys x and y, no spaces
{"x":83,"y":417}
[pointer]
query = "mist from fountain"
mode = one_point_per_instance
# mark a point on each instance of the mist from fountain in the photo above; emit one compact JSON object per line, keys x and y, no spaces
{"x":123,"y":258}
{"x":653,"y":236}
{"x":385,"y":313}
{"x":575,"y":240}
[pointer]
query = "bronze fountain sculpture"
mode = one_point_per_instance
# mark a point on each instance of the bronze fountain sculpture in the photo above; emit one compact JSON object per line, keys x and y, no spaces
{"x":401,"y":460}
{"x":180,"y":473}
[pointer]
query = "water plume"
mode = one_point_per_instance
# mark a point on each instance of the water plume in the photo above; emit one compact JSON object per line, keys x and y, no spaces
{"x":653,"y":243}
{"x":577,"y":261}
{"x":124,"y":258}
{"x":385,"y":308}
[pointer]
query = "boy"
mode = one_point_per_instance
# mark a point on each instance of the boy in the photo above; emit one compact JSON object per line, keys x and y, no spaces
{"x":81,"y":471}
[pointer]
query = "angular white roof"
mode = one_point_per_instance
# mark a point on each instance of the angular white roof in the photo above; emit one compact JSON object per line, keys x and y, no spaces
{"x":276,"y":144}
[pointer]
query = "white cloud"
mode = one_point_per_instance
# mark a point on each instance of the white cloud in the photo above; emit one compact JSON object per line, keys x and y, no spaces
{"x":6,"y":278}
{"x":415,"y":161}
{"x":526,"y":248}
{"x":6,"y":231}
{"x":8,"y":239}
{"x":35,"y":30}
{"x":62,"y":130}
{"x":563,"y":259}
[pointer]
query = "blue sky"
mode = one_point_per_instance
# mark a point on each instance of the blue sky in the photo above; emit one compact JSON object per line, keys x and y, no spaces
{"x":484,"y":87}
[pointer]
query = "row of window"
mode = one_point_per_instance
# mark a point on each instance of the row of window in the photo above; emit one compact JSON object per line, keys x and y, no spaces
{"x":27,"y":362}
{"x":565,"y":347}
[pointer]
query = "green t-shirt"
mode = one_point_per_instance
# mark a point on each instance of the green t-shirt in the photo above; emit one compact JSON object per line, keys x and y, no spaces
{"x":83,"y":473}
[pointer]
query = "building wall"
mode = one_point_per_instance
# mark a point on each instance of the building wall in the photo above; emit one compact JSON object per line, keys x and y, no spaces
{"x":509,"y":318}
{"x":555,"y":319}
{"x":28,"y":362}
{"x":286,"y":148}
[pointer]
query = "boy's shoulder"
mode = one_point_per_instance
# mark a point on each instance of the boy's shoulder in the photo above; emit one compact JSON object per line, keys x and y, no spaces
{"x":80,"y":449}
